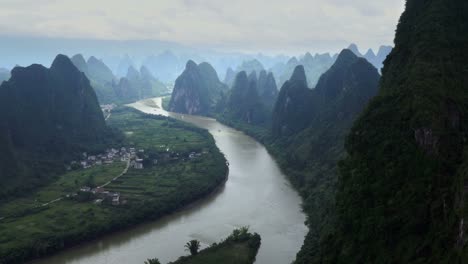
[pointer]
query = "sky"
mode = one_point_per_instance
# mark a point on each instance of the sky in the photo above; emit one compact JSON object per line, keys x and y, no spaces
{"x":270,"y":26}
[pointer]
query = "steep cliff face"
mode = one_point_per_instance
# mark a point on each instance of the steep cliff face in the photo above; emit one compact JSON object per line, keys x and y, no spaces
{"x":310,"y":127}
{"x":99,"y":71}
{"x":47,"y":115}
{"x":297,"y":105}
{"x":244,"y":104}
{"x":292,"y":109}
{"x":80,"y":63}
{"x":267,"y":89}
{"x":401,"y":189}
{"x":196,"y":90}
{"x":56,"y":103}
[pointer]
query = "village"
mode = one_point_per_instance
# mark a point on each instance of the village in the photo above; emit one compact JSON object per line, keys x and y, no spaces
{"x":110,"y":156}
{"x":134,"y":159}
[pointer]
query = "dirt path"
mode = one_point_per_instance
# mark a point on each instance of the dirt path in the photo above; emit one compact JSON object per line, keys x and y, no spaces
{"x":120,"y":175}
{"x":102,"y":186}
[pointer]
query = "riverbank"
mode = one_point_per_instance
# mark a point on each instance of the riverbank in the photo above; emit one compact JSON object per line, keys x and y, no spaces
{"x":315,"y":180}
{"x":240,"y":247}
{"x":256,"y":194}
{"x":181,"y":164}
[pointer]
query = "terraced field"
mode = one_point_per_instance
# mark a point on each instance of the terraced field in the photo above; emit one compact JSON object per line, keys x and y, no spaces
{"x":181,"y":165}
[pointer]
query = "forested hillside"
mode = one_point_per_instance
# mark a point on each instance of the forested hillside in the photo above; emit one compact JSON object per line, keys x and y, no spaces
{"x":401,"y":194}
{"x":48,"y":115}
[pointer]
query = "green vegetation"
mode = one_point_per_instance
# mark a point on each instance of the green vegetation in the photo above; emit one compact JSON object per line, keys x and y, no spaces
{"x":49,"y":117}
{"x":401,"y":192}
{"x":243,"y":101}
{"x":30,"y":229}
{"x":196,"y":90}
{"x":165,"y":102}
{"x":193,"y":246}
{"x":152,"y":261}
{"x":307,"y":137}
{"x":240,"y":247}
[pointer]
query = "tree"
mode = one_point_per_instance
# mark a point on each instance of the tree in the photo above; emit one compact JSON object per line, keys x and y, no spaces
{"x":152,"y":261}
{"x":193,"y":246}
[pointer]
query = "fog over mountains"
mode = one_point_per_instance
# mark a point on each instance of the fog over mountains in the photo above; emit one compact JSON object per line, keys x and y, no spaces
{"x":166,"y":60}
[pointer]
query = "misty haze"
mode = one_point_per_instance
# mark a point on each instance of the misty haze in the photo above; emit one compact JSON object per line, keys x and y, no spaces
{"x":211,"y":132}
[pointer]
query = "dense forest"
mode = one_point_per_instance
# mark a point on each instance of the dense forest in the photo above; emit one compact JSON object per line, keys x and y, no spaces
{"x":401,"y":188}
{"x":305,"y":129}
{"x":49,"y":116}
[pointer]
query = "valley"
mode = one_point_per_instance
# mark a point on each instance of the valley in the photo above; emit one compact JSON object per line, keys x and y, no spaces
{"x":181,"y":165}
{"x":245,"y":132}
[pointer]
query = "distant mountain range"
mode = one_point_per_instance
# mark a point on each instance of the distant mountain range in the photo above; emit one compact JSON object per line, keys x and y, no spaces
{"x":304,"y":128}
{"x":134,"y":86}
{"x":314,"y":67}
{"x":376,"y":59}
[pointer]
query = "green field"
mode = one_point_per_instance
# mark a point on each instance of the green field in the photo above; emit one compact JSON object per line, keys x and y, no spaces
{"x":28,"y":229}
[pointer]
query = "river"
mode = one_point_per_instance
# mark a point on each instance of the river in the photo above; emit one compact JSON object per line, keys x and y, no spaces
{"x":256,"y":194}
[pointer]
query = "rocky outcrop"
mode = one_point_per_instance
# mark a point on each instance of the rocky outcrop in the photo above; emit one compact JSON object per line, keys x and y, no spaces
{"x":291,"y":111}
{"x":196,"y":90}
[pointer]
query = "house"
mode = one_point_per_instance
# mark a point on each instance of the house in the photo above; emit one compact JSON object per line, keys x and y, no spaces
{"x":97,"y":190}
{"x":85,"y":189}
{"x":138,"y":166}
{"x":116,"y":200}
{"x":84,"y":164}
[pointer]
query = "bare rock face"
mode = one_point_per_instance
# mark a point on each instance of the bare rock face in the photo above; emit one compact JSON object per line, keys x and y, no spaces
{"x":196,"y":90}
